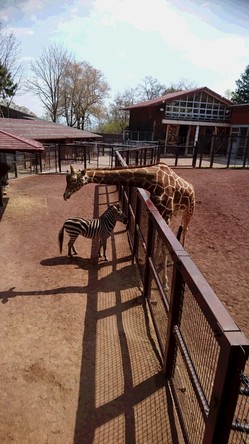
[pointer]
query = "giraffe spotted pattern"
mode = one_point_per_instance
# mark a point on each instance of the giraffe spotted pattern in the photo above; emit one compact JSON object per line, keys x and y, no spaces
{"x":170,"y":193}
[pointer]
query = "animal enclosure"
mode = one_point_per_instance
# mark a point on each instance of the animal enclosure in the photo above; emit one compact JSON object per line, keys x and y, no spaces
{"x":57,"y":310}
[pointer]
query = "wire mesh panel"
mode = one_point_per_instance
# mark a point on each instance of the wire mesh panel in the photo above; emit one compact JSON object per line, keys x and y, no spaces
{"x":21,"y":163}
{"x":240,"y":427}
{"x":159,"y":313}
{"x":201,"y":342}
{"x":193,"y":423}
{"x":163,"y":264}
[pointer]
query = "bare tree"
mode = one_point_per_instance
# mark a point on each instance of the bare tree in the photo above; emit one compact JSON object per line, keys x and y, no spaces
{"x":48,"y":72}
{"x":83,"y":92}
{"x":11,"y":72}
{"x":9,"y":50}
{"x":150,"y":88}
{"x":181,"y":85}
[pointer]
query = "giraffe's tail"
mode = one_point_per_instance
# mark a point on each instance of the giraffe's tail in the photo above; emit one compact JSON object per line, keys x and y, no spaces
{"x":60,"y":238}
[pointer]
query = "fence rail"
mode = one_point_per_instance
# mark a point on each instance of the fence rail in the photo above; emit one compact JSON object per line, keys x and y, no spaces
{"x":203,"y":351}
{"x":210,"y":151}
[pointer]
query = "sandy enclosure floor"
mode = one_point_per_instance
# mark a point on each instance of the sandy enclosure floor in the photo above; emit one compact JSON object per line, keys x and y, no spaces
{"x":79,"y":360}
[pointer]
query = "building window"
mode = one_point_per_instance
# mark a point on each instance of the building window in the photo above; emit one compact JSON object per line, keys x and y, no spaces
{"x":197,"y":107}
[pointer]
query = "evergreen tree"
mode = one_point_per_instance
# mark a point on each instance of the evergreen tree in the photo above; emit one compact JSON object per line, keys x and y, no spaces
{"x":241,"y":94}
{"x":7,"y":86}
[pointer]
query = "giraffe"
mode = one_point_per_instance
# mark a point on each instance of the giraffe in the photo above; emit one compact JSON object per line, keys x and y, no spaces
{"x":170,"y":193}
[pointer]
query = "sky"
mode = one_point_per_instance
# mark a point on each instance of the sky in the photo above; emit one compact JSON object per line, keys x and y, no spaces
{"x":206,"y":42}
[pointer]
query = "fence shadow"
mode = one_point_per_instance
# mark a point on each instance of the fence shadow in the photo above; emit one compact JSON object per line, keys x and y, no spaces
{"x":4,"y":206}
{"x":109,"y":395}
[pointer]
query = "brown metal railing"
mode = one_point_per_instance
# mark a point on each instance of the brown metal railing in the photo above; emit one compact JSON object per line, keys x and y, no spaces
{"x":203,"y":351}
{"x":141,"y":155}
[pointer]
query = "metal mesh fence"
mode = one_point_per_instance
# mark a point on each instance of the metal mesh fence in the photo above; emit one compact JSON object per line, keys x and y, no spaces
{"x":203,"y":351}
{"x":240,"y":427}
{"x":200,"y":341}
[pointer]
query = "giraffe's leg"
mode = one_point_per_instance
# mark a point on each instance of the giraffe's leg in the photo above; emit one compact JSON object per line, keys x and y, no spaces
{"x":185,"y":222}
{"x":162,"y":261}
{"x":165,"y":270}
{"x":165,"y":259}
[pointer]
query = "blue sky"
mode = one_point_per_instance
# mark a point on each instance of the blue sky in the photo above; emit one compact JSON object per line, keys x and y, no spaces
{"x":202,"y":41}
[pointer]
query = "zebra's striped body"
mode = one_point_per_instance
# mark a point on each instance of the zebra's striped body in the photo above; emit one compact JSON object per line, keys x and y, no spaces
{"x":100,"y":228}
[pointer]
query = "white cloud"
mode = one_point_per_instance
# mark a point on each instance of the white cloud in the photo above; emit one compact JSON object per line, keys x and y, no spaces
{"x":19,"y":32}
{"x":127,"y":39}
{"x":193,"y":39}
{"x":32,"y":6}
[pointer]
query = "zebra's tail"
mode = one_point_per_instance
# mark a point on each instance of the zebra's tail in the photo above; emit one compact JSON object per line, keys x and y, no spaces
{"x":60,"y":238}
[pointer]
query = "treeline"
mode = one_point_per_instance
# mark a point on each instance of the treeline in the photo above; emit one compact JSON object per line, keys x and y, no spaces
{"x":75,"y":93}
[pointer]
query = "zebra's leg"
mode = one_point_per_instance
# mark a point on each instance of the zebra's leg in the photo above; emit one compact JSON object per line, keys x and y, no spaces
{"x":71,"y":246}
{"x":99,"y":250}
{"x":104,"y":243}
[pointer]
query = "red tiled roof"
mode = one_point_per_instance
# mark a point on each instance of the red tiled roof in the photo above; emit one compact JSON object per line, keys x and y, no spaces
{"x":43,"y":130}
{"x":11,"y":142}
{"x":179,"y":94}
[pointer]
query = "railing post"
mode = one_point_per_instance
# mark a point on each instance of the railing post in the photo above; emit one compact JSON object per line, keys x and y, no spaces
{"x":195,"y":154}
{"x":232,"y":359}
{"x":230,"y":145}
{"x":177,"y":154}
{"x":175,"y":310}
{"x":1,"y":193}
{"x":213,"y":140}
{"x":246,"y":151}
{"x":137,"y":217}
{"x":147,"y":271}
{"x":59,"y":158}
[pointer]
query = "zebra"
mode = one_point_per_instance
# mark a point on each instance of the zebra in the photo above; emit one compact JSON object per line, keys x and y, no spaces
{"x":92,"y":228}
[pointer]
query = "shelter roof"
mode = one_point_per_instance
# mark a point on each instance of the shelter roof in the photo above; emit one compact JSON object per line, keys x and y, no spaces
{"x":240,"y":105}
{"x":177,"y":95}
{"x":11,"y":142}
{"x":43,"y":130}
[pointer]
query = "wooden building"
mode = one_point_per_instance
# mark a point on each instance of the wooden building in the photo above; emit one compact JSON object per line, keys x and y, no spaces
{"x":239,"y":129}
{"x":180,"y":118}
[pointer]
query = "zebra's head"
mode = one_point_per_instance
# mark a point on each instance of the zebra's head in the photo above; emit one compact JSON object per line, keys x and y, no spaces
{"x":117,"y":212}
{"x":75,"y":180}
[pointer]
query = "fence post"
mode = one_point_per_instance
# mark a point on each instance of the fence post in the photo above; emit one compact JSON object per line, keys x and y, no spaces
{"x":147,"y":271}
{"x":232,"y":359}
{"x":195,"y":154}
{"x":177,"y":154}
{"x":246,"y":151}
{"x":59,"y":158}
{"x":1,"y":193}
{"x":229,"y":151}
{"x":212,"y":151}
{"x":175,"y":310}
{"x":137,"y":217}
{"x":40,"y":162}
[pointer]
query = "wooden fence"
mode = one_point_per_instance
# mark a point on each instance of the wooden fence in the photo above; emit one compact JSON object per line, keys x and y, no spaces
{"x":202,"y":349}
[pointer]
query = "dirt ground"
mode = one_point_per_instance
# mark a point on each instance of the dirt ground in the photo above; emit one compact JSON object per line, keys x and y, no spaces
{"x":79,"y":361}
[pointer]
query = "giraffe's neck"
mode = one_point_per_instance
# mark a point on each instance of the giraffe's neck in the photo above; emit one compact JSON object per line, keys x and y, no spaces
{"x":139,"y":177}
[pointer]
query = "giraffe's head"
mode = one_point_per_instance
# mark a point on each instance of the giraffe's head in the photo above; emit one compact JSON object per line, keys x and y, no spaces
{"x":75,"y":180}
